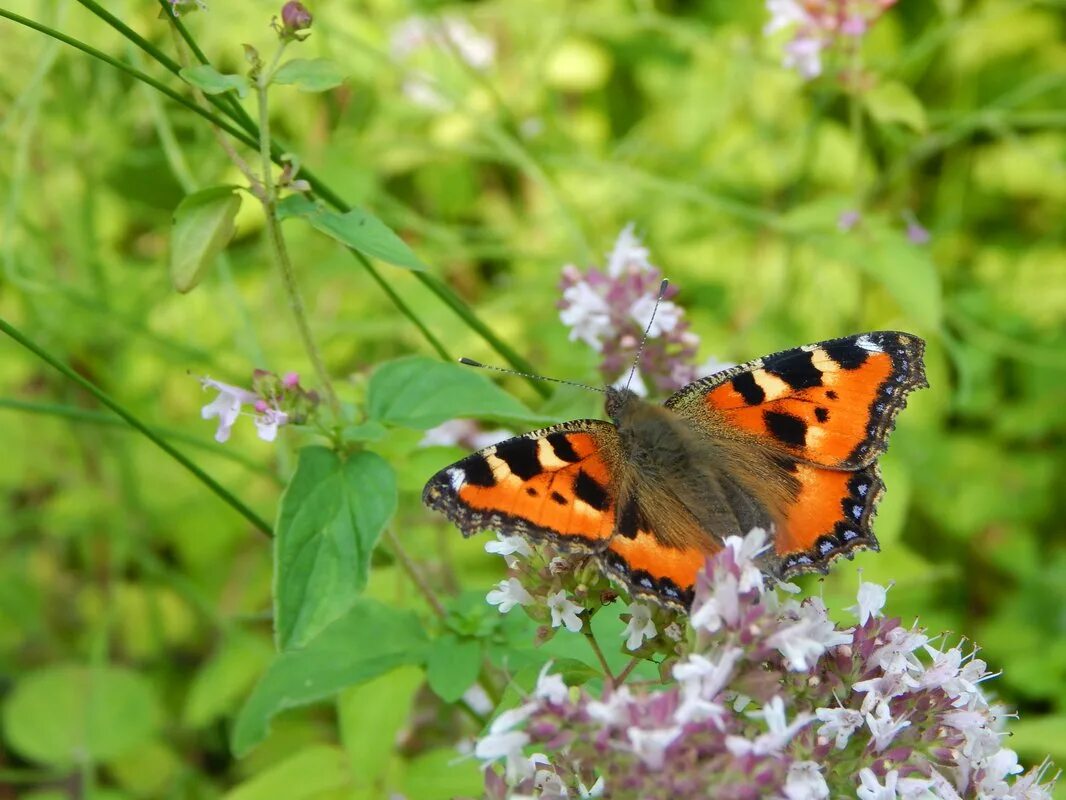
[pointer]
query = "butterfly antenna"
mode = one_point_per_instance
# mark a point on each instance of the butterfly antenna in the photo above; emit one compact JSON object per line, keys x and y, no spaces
{"x":471,"y":363}
{"x":644,"y":338}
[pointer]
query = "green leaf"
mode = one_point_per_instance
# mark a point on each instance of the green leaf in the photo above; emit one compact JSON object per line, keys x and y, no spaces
{"x":315,"y":769}
{"x":226,"y":676}
{"x":295,"y":205}
{"x":892,"y":102}
{"x":453,"y":666}
{"x":331,"y":517}
{"x":369,"y":431}
{"x":310,"y":74}
{"x":420,"y":393}
{"x":439,"y":773}
{"x":370,"y":717}
{"x":366,"y":233}
{"x":368,"y":641}
{"x":61,"y":714}
{"x":210,"y":81}
{"x":202,"y":227}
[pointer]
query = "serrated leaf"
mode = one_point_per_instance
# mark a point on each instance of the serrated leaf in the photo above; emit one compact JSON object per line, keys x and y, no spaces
{"x":421,"y":393}
{"x":368,"y":641}
{"x":892,"y":102}
{"x":316,"y":769}
{"x":453,"y":666}
{"x":202,"y":227}
{"x":330,"y":519}
{"x":61,"y":714}
{"x":310,"y":74}
{"x":210,"y":81}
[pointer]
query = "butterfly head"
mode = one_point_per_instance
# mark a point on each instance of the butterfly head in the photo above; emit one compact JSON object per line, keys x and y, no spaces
{"x":620,"y":403}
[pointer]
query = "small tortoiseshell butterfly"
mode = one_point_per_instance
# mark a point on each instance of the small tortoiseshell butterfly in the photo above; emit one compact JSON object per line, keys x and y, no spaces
{"x":788,"y":443}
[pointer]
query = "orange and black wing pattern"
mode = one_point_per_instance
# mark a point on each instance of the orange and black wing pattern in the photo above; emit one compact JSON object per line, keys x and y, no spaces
{"x":831,"y":404}
{"x":828,"y":408}
{"x":554,"y":483}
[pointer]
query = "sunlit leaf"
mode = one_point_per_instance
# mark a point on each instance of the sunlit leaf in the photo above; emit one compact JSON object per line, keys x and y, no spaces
{"x":202,"y":227}
{"x":420,"y":393}
{"x":368,"y":641}
{"x":308,"y":773}
{"x":310,"y":74}
{"x":210,"y":81}
{"x":331,"y":516}
{"x":62,"y":714}
{"x":892,"y":102}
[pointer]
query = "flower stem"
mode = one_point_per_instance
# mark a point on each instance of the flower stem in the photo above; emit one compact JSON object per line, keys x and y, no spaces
{"x":135,"y":423}
{"x":625,"y":673}
{"x":414,"y":573}
{"x":277,"y":241}
{"x":586,"y":629}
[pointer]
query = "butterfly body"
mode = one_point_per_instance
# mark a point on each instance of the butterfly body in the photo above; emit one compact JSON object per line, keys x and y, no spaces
{"x":787,"y":443}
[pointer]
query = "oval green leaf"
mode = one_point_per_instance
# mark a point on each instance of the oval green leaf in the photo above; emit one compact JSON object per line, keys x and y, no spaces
{"x":63,"y":714}
{"x":310,"y":74}
{"x":331,"y":517}
{"x":892,"y":102}
{"x":202,"y":227}
{"x":420,"y":393}
{"x":210,"y":81}
{"x":368,"y":641}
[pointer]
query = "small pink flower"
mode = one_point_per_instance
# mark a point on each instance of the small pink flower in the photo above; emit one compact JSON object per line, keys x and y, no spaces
{"x":291,"y":380}
{"x":227,"y":406}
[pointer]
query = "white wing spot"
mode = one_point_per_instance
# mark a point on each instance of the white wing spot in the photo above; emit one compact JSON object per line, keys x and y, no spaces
{"x":866,"y":343}
{"x":457,"y":478}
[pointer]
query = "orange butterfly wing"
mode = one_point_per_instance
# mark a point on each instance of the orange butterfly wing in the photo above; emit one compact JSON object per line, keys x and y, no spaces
{"x":829,"y":409}
{"x":555,"y":482}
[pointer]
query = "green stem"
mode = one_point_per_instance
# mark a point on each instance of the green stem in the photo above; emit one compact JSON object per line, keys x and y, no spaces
{"x":277,"y":240}
{"x":133,"y":422}
{"x":586,"y":629}
{"x":415,"y":574}
{"x":134,"y":73}
{"x":625,"y":673}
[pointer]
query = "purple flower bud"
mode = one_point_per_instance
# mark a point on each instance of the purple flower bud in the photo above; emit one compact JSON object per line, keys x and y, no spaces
{"x":848,"y":220}
{"x":295,"y":17}
{"x":291,"y":380}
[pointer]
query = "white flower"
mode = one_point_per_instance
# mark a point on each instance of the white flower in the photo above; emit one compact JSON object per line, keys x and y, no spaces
{"x":997,"y":767}
{"x":628,"y":251}
{"x":503,"y":742}
{"x":227,"y":406}
{"x":840,"y":723}
{"x":417,"y":32}
{"x":784,"y":13}
{"x":587,"y":314}
{"x":871,"y":789}
{"x":650,"y":745}
{"x":564,"y":611}
{"x":667,"y":315}
{"x":613,"y":711}
{"x":882,"y":689}
{"x":805,"y":782}
{"x":804,"y":53}
{"x":701,"y":681}
{"x":596,"y":790}
{"x":508,"y":594}
{"x":780,"y":730}
{"x":918,"y":789}
{"x":419,"y":88}
{"x":721,"y":608}
{"x":883,"y":728}
{"x":745,"y":550}
{"x":551,"y":687}
{"x":897,"y":654}
{"x":639,"y":627}
{"x":463,"y":432}
{"x":803,"y":642}
{"x":508,"y":546}
{"x":268,"y":420}
{"x":871,"y":599}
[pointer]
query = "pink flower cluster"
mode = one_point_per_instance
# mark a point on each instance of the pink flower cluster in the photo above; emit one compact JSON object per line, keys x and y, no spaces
{"x":769,"y":698}
{"x":819,"y":25}
{"x":275,"y":401}
{"x":609,"y":309}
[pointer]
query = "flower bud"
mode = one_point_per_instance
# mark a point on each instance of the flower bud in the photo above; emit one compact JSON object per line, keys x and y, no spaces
{"x":295,"y":17}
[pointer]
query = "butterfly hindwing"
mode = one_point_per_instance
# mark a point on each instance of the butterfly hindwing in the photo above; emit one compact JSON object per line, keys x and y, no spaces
{"x":554,"y":482}
{"x":832,"y":404}
{"x":830,"y":517}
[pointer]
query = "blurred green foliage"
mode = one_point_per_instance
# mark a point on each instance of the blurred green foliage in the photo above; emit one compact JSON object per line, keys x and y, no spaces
{"x":118,"y":571}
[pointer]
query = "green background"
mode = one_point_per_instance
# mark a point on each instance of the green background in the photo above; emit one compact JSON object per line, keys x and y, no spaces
{"x":120,"y":573}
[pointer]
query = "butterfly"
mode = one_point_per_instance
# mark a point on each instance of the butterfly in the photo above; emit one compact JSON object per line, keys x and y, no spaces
{"x":788,"y":443}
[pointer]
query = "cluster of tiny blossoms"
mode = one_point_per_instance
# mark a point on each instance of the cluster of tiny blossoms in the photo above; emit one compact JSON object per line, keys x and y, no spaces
{"x":609,"y":309}
{"x":768,"y":698}
{"x":819,"y":26}
{"x":275,"y":401}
